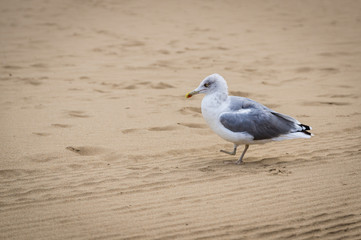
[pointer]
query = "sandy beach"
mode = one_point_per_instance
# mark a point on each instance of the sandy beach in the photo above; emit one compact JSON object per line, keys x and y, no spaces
{"x":97,"y":140}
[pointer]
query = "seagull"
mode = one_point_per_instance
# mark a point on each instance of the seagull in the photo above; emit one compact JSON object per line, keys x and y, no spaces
{"x":242,"y":121}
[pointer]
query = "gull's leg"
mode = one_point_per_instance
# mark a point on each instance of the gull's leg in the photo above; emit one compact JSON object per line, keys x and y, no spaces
{"x":231,"y":153}
{"x":244,"y":152}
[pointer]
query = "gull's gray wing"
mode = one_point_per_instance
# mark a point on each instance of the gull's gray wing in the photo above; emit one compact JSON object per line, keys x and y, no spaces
{"x":246,"y":115}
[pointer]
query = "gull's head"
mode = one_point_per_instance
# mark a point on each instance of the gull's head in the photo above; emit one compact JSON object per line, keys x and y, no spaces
{"x":214,"y":83}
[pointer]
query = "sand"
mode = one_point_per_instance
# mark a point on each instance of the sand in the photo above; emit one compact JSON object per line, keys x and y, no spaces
{"x":98,"y":141}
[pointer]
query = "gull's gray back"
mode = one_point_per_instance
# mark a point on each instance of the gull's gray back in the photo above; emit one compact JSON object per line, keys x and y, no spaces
{"x":237,"y":103}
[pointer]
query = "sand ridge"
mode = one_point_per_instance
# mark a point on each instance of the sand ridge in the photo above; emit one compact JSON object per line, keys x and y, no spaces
{"x":98,"y":141}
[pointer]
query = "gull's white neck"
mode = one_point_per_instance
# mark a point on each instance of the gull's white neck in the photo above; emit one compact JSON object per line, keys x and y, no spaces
{"x":215,"y":99}
{"x":212,"y":106}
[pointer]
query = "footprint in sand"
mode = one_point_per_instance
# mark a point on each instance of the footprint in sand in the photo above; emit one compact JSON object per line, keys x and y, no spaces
{"x":279,"y":171}
{"x":73,"y":149}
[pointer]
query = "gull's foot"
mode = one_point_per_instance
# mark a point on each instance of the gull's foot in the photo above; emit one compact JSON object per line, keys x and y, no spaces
{"x":230,"y":153}
{"x":239,"y":162}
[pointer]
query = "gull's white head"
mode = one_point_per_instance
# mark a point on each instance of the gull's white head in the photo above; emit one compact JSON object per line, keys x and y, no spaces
{"x":214,"y":83}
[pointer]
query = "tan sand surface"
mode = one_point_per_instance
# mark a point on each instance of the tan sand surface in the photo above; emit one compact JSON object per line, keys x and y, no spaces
{"x":98,"y":142}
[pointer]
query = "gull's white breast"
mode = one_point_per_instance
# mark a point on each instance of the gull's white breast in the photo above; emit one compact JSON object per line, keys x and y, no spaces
{"x":212,"y":107}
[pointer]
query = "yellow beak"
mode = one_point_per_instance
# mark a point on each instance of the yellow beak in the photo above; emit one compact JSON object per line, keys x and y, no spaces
{"x":190,"y":94}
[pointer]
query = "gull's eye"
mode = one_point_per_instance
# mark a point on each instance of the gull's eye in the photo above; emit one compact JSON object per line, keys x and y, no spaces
{"x":206,"y":85}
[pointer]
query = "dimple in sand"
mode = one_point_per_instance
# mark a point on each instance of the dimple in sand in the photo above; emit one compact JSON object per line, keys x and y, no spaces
{"x":243,"y":121}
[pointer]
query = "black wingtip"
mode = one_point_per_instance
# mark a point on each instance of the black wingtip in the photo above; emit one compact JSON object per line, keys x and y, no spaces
{"x":307,"y":133}
{"x":305,"y":128}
